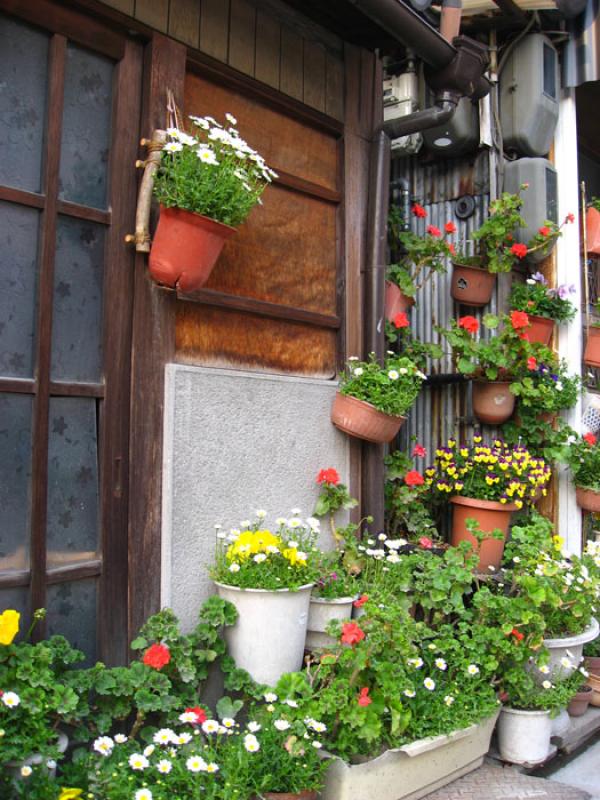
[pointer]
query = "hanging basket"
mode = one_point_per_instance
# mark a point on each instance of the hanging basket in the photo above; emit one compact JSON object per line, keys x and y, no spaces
{"x":472,"y":285}
{"x":490,"y":515}
{"x":541,"y":330}
{"x":591,"y":354}
{"x":362,"y":420}
{"x":588,"y":499}
{"x":396,"y":302}
{"x":493,"y":402}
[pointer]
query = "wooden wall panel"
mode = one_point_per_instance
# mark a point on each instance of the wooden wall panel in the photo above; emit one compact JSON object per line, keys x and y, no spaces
{"x":314,"y":75}
{"x":214,"y":28}
{"x":285,"y":143}
{"x":154,"y":13}
{"x":291,"y":80}
{"x":242,"y":36}
{"x":184,"y":21}
{"x":284,"y":253}
{"x":215,"y":337}
{"x":268,"y":50}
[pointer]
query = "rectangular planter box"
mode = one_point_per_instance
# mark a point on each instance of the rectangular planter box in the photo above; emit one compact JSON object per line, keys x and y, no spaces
{"x":411,"y":771}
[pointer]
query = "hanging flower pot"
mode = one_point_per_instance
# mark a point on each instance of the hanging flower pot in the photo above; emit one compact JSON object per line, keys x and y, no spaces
{"x":185,"y":248}
{"x":592,"y":224}
{"x":524,"y":736}
{"x":472,"y":285}
{"x":588,"y":499}
{"x":491,"y":515}
{"x":541,"y":330}
{"x":396,"y":302}
{"x":362,"y":420}
{"x":591,"y":354}
{"x":493,"y":402}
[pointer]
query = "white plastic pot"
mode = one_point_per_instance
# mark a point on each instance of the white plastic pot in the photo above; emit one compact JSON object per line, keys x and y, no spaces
{"x":268,"y":638}
{"x":321,"y":612}
{"x":14,"y":767}
{"x":558,"y":650}
{"x":411,"y":771}
{"x":524,"y":736}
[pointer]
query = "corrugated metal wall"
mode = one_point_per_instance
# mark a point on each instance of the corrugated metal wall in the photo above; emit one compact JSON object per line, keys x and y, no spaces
{"x":443,"y":409}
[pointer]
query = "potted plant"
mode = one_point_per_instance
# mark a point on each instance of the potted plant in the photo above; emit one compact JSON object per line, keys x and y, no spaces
{"x":208,"y":182}
{"x":372,"y":399}
{"x":591,"y":353}
{"x":583,"y":458}
{"x":398,"y":333}
{"x":423,"y":255}
{"x":267,"y":576}
{"x":580,"y":702}
{"x":546,"y":387}
{"x":407,"y":514}
{"x":544,"y":307}
{"x":493,"y":362}
{"x":486,"y":484}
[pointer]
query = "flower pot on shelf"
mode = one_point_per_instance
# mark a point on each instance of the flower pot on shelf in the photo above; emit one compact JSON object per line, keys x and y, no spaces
{"x":558,"y":648}
{"x":269,"y":635}
{"x":588,"y":499}
{"x":362,"y":420}
{"x":490,"y":515}
{"x":524,"y":736}
{"x":185,"y":248}
{"x":594,"y":682}
{"x":540,"y":330}
{"x":591,"y":354}
{"x":321,"y":612}
{"x":396,"y":302}
{"x":592,"y":664}
{"x":592,"y":224}
{"x":411,"y":771}
{"x":493,"y":402}
{"x":472,"y":285}
{"x":579,"y":704}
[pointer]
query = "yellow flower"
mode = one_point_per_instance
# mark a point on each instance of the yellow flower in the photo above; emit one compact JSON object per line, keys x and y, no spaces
{"x":70,"y":794}
{"x":558,"y":542}
{"x":291,"y":553}
{"x":9,"y":625}
{"x":250,"y":543}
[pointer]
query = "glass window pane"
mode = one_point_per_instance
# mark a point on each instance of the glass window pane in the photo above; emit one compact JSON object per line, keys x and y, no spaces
{"x":24,"y":69}
{"x":72,"y":526}
{"x":86,"y":128}
{"x":15,"y":479}
{"x":77,"y":309}
{"x":18,"y":289}
{"x":17,"y":598}
{"x":71,"y":611}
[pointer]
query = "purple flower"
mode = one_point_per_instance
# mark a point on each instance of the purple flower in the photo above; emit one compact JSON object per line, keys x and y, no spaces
{"x":537,"y":276}
{"x":572,"y":289}
{"x":562,"y":292}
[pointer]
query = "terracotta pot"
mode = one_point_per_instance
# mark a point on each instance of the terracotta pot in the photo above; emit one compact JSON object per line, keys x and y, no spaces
{"x":591,"y":354}
{"x":540,"y":330}
{"x":592,"y":664}
{"x":396,"y":302}
{"x":472,"y":286}
{"x":303,"y":795}
{"x":362,"y":420}
{"x":579,"y":704}
{"x":592,"y":224}
{"x":588,"y":499}
{"x":490,"y":515}
{"x":185,"y":248}
{"x":594,"y":682}
{"x":493,"y":402}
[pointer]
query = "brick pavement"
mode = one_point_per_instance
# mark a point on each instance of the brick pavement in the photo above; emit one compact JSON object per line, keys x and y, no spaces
{"x":494,"y":782}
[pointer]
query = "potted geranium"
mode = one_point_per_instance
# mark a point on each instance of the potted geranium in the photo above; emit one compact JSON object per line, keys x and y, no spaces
{"x":372,"y":399}
{"x":407,"y":513}
{"x":486,"y":484}
{"x":583,"y":458}
{"x":544,"y":306}
{"x":591,"y":353}
{"x":546,"y":387}
{"x":268,"y":576}
{"x":208,"y":182}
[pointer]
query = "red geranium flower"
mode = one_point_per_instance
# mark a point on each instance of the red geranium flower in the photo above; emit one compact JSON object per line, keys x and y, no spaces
{"x":509,"y":237}
{"x":452,"y":249}
{"x":433,"y":231}
{"x":469,"y":323}
{"x":531,"y":363}
{"x":419,"y":211}
{"x":401,"y":320}
{"x":519,"y":319}
{"x":570,"y":217}
{"x":200,"y":714}
{"x":519,"y":250}
{"x":414,"y":478}
{"x":330,"y":475}
{"x":157,"y":656}
{"x":517,"y":634}
{"x":351,"y":633}
{"x":425,"y":542}
{"x":361,"y":601}
{"x":450,"y":227}
{"x":419,"y":450}
{"x":363,"y":697}
{"x":544,"y":230}
{"x":590,"y":438}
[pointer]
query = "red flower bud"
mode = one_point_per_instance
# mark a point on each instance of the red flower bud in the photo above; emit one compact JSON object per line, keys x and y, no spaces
{"x":419,"y":211}
{"x":401,"y":320}
{"x":363,"y":697}
{"x":450,"y":227}
{"x":330,"y":475}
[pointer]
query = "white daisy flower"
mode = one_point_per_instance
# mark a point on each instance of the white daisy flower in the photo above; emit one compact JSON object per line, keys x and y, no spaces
{"x":11,"y":699}
{"x":272,"y":549}
{"x":547,"y":684}
{"x":415,"y":662}
{"x":51,"y":763}
{"x":270,"y":697}
{"x":234,"y":567}
{"x":448,"y":699}
{"x":316,"y":744}
{"x":295,"y":512}
{"x":164,"y":766}
{"x":230,"y":118}
{"x":566,"y":663}
{"x":281,"y":521}
{"x":473,"y":669}
{"x":196,"y":764}
{"x":355,"y":358}
{"x":165,"y":736}
{"x":120,"y":738}
{"x":313,"y":523}
{"x":318,"y":727}
{"x":183,"y":738}
{"x":173,"y":133}
{"x":393,"y":375}
{"x":26,"y":771}
{"x":291,"y":703}
{"x":358,"y":371}
{"x":409,"y":693}
{"x":259,"y":558}
{"x":228,"y":722}
{"x":103,"y":745}
{"x":200,"y":122}
{"x":544,"y":669}
{"x":281,"y":724}
{"x":294,"y":522}
{"x":429,"y":684}
{"x":188,"y":716}
{"x":206,"y":155}
{"x":251,"y":743}
{"x":212,"y":767}
{"x":253,"y":727}
{"x":143,"y":794}
{"x":149,"y":750}
{"x":441,"y":664}
{"x":138,"y":761}
{"x":245,"y":523}
{"x":173,"y":147}
{"x":210,"y":726}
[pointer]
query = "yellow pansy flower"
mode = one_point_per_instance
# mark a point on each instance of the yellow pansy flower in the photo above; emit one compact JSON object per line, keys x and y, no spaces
{"x":291,"y":553}
{"x":9,"y":625}
{"x":70,"y":794}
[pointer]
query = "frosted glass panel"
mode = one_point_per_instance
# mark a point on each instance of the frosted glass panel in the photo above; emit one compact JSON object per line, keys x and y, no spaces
{"x":86,"y":128}
{"x":72,"y":527}
{"x":77,"y":311}
{"x":71,"y":611}
{"x":23,"y":73}
{"x":15,"y":478}
{"x":17,"y":598}
{"x":18,"y":288}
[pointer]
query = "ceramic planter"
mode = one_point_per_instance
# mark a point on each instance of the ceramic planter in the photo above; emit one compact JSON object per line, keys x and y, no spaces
{"x":579,"y":704}
{"x":560,"y":724}
{"x":411,"y":771}
{"x":588,"y":499}
{"x":594,"y":682}
{"x":558,"y":650}
{"x":591,"y":354}
{"x":185,"y":248}
{"x":491,"y":515}
{"x":269,"y":634}
{"x":321,"y":612}
{"x":592,"y":225}
{"x":362,"y":420}
{"x":524,"y":736}
{"x":396,"y":302}
{"x":471,"y":285}
{"x":493,"y":402}
{"x":540,"y":330}
{"x":14,"y":767}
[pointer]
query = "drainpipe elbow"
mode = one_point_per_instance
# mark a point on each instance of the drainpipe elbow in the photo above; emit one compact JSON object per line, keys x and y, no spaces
{"x":438,"y":114}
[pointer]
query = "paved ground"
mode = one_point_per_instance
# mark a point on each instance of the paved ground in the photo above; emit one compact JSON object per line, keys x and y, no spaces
{"x":494,"y":782}
{"x":582,"y":771}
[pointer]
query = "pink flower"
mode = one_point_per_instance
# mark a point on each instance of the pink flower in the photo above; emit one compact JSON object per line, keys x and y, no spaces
{"x":425,"y":542}
{"x":433,"y":231}
{"x":361,"y":601}
{"x":419,"y":451}
{"x":351,"y":633}
{"x":363,"y":697}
